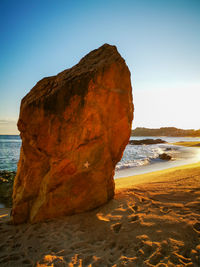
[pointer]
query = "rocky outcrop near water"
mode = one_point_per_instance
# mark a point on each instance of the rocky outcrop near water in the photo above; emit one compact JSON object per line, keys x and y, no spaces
{"x":74,"y":127}
{"x":146,"y":142}
{"x":165,"y":156}
{"x":6,"y":186}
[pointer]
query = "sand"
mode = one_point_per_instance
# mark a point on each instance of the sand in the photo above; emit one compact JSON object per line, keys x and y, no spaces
{"x":154,"y":220}
{"x":188,"y":144}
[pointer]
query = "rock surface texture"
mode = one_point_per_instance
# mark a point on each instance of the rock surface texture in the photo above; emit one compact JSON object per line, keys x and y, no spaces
{"x":74,"y":128}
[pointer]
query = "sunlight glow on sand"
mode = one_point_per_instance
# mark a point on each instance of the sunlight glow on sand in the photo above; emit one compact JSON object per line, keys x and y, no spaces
{"x":198,"y":155}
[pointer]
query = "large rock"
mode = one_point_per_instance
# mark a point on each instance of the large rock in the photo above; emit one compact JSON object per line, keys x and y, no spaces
{"x":74,"y":128}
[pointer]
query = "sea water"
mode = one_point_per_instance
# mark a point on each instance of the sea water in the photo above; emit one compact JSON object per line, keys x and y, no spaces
{"x":139,"y":159}
{"x":140,"y":155}
{"x":9,"y":152}
{"x":136,"y":158}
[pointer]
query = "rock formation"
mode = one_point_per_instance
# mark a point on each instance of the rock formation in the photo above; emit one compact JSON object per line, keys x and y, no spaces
{"x":74,"y":128}
{"x":146,"y":142}
{"x":165,"y":156}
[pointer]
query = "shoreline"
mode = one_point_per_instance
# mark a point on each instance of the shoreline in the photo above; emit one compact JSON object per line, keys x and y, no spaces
{"x":192,"y":148}
{"x":154,"y":167}
{"x":162,"y":165}
{"x":157,"y":176}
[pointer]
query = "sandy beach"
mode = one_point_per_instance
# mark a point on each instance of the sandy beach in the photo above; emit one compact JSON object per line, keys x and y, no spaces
{"x":154,"y":220}
{"x":99,"y":133}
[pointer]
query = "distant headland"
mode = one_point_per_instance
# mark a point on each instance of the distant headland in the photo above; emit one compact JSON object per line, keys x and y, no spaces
{"x":165,"y":131}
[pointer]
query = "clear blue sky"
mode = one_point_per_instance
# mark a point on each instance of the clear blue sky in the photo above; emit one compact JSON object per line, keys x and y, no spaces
{"x":159,"y":39}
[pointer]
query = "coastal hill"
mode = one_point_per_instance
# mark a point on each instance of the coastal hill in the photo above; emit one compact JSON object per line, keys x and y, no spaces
{"x":165,"y":131}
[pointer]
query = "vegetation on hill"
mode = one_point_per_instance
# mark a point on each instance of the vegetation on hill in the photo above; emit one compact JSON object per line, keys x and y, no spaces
{"x":165,"y":131}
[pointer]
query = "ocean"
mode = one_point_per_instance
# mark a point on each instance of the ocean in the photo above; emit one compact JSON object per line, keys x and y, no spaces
{"x":135,"y":160}
{"x":9,"y":152}
{"x":145,"y":158}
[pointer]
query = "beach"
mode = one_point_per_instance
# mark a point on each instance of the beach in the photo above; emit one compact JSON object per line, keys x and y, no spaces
{"x":99,"y":135}
{"x":153,"y":220}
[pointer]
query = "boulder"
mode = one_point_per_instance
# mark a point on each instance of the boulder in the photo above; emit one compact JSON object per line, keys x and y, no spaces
{"x":146,"y":142}
{"x":165,"y":156}
{"x":74,"y":128}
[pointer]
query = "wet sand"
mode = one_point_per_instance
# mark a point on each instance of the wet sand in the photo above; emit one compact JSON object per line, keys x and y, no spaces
{"x":154,"y":220}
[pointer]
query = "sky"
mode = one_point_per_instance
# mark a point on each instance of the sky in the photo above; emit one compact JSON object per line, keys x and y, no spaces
{"x":159,"y":39}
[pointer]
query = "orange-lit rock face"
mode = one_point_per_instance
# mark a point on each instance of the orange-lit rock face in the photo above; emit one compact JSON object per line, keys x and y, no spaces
{"x":74,"y":128}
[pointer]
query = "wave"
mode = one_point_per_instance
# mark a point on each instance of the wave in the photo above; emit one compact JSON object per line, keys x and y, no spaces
{"x":135,"y":156}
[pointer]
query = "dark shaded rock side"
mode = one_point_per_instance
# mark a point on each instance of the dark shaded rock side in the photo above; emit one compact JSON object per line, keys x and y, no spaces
{"x":6,"y":187}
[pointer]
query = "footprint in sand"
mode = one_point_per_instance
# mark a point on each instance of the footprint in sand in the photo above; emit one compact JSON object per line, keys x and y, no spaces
{"x":134,"y":208}
{"x":165,"y":210}
{"x":133,"y":218}
{"x":116,"y":227}
{"x":155,"y":258}
{"x":145,"y":200}
{"x":196,"y":227}
{"x":112,"y":245}
{"x":27,"y":262}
